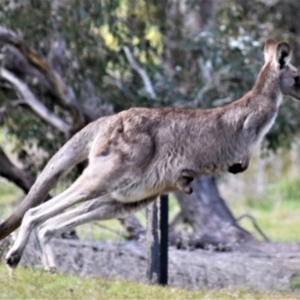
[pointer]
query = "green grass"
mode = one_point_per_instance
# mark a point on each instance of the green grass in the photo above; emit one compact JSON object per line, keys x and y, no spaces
{"x":36,"y":284}
{"x":277,"y":212}
{"x":9,"y":196}
{"x":8,"y":193}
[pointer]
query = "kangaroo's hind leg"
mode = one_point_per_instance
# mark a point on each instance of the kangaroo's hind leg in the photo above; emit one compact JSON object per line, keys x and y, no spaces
{"x":63,"y":222}
{"x":101,"y":208}
{"x":94,"y":182}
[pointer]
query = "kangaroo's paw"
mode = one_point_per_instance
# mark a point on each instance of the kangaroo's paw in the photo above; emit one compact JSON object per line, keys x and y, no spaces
{"x":13,"y":258}
{"x":184,"y":184}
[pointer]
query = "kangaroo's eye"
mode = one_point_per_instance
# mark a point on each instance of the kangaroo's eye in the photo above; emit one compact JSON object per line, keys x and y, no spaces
{"x":297,"y":79}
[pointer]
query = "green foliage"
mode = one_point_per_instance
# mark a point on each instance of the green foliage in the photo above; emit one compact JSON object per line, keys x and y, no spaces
{"x":277,"y":212}
{"x":8,"y":194}
{"x":289,"y":190}
{"x":168,"y":44}
{"x":295,"y":282}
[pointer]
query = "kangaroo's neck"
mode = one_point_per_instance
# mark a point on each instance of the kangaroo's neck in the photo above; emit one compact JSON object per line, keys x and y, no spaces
{"x":257,"y":110}
{"x":266,"y":90}
{"x":266,"y":98}
{"x":228,"y":135}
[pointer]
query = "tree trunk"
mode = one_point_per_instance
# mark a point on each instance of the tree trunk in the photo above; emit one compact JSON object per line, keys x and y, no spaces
{"x":18,"y":176}
{"x":209,"y":216}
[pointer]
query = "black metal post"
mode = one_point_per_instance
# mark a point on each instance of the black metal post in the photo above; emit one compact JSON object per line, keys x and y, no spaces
{"x":164,"y":239}
{"x":157,"y":236}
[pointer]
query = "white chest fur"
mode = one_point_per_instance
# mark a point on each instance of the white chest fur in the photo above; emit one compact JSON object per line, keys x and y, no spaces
{"x":268,"y":126}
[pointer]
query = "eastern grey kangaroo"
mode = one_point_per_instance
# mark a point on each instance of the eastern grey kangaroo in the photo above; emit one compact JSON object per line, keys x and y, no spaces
{"x":140,"y":153}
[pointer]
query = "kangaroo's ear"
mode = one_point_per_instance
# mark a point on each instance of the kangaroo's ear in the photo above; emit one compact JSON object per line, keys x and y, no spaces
{"x":270,"y":49}
{"x":283,"y":54}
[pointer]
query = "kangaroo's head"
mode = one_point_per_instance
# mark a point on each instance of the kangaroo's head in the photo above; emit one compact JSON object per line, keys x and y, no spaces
{"x":278,"y":57}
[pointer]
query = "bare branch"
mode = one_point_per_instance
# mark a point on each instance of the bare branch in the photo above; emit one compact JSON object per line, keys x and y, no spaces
{"x":255,"y":224}
{"x":36,"y":106}
{"x":14,"y":60}
{"x":64,"y":95}
{"x":135,"y":66}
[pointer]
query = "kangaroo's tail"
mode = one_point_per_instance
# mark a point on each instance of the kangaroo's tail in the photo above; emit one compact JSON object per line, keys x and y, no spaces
{"x":73,"y":152}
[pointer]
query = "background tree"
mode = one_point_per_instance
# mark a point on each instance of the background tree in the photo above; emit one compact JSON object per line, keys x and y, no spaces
{"x":64,"y":63}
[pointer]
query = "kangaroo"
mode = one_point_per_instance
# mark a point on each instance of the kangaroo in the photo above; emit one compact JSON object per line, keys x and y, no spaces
{"x":140,"y":153}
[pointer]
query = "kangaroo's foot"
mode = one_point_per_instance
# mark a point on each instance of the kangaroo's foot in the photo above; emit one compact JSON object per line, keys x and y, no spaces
{"x":13,"y":258}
